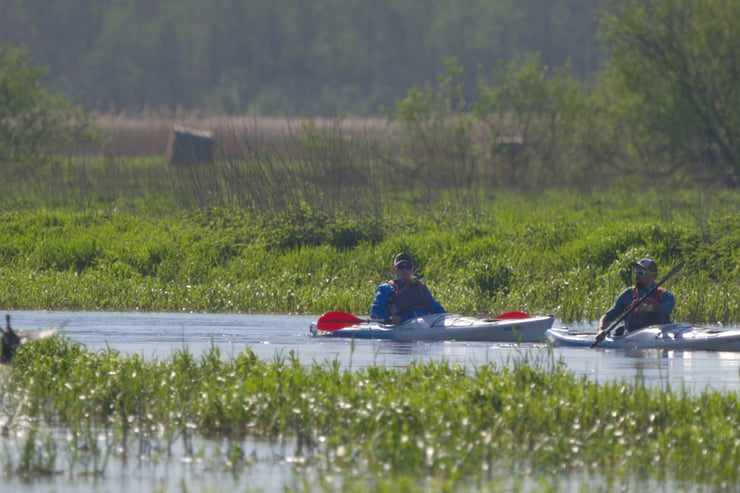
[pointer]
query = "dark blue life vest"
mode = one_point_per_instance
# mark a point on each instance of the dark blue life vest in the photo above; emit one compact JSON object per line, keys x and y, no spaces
{"x":408,"y":297}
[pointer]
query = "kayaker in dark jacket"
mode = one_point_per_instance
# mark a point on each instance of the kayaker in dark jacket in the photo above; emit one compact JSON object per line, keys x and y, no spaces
{"x":404,"y":297}
{"x":655,"y":309}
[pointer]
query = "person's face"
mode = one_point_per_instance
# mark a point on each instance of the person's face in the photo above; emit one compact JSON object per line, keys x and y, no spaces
{"x":403,"y":270}
{"x":644,"y":276}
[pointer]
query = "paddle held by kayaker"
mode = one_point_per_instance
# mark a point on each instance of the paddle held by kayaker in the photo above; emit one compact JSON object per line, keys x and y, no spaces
{"x":655,"y":309}
{"x":404,"y":297}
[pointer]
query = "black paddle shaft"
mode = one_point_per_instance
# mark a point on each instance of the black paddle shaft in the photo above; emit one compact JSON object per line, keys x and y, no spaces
{"x":600,"y":337}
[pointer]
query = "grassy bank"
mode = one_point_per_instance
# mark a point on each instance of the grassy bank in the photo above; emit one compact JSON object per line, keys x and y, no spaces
{"x":456,"y":427}
{"x":556,"y":252}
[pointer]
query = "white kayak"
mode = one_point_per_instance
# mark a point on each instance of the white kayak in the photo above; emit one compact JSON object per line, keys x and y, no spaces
{"x":446,"y":327}
{"x":669,"y":336}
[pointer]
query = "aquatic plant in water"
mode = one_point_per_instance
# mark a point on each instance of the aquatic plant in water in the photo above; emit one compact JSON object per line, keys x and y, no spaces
{"x":436,"y":421}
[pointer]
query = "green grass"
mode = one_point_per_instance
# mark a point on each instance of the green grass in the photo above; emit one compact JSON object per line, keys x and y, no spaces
{"x":312,"y":227}
{"x":437,"y":423}
{"x":558,"y":253}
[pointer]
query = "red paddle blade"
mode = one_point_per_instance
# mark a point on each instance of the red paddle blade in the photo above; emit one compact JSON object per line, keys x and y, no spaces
{"x":511,"y":315}
{"x":337,"y":320}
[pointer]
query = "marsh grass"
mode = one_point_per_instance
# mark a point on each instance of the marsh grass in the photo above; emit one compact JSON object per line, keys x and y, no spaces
{"x":436,"y":423}
{"x":261,"y":165}
{"x":234,"y":137}
{"x":558,"y":253}
{"x":366,"y":166}
{"x":303,"y":216}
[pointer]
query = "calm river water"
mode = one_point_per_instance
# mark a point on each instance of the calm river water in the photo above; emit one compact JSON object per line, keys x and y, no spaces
{"x":157,"y":335}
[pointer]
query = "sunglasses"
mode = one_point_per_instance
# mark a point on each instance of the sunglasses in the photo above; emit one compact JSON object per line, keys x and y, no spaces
{"x":643,"y":272}
{"x":404,"y":266}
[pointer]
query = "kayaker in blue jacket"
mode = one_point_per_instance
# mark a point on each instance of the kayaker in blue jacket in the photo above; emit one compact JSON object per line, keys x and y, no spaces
{"x":655,"y":309}
{"x":404,"y":297}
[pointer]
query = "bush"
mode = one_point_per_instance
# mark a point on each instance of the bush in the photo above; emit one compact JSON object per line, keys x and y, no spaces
{"x":34,"y":123}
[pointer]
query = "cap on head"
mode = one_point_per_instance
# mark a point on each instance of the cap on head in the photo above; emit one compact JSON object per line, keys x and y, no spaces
{"x":402,"y":258}
{"x":648,"y":264}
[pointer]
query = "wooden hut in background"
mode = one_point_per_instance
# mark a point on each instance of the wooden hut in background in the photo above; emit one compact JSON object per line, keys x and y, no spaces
{"x":188,"y":146}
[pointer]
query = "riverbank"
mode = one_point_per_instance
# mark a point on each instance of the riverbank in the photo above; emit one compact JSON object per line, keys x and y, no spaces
{"x":556,"y":253}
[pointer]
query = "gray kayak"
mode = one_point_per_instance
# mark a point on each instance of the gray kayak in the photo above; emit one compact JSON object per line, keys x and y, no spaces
{"x":678,"y":336}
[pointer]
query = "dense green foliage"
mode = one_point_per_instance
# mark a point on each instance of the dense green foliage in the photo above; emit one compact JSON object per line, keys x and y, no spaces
{"x":674,"y":71}
{"x":664,"y":107}
{"x":34,"y":123}
{"x":558,"y":253}
{"x":449,"y":427}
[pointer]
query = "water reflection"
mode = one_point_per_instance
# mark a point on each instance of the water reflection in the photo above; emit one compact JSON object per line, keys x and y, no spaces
{"x":694,"y":371}
{"x":270,"y":466}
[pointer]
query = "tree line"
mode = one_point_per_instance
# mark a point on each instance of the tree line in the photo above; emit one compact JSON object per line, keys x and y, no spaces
{"x":661,"y":105}
{"x":318,"y":58}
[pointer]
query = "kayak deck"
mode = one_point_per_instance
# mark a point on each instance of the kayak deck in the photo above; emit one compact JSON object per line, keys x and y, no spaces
{"x":448,"y":327}
{"x":672,"y":336}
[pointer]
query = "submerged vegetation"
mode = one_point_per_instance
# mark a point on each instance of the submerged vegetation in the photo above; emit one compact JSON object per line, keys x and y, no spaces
{"x":458,"y":427}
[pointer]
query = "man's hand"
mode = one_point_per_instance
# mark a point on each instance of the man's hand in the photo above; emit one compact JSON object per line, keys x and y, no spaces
{"x":601,"y":334}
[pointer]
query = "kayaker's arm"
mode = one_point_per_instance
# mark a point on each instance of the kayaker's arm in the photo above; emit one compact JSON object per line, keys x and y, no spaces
{"x":619,"y":307}
{"x":667,"y":303}
{"x":379,"y":308}
{"x":605,"y":320}
{"x":625,"y":302}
